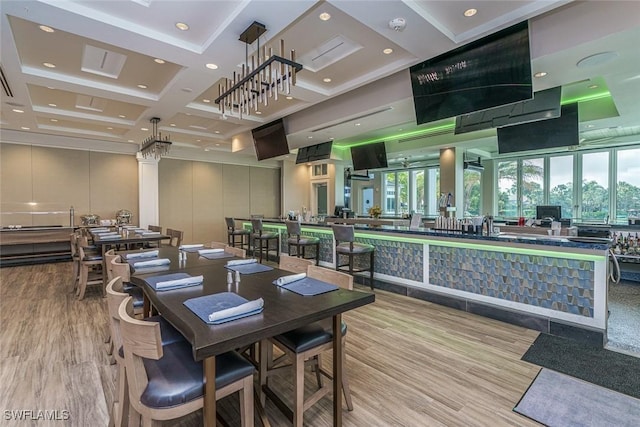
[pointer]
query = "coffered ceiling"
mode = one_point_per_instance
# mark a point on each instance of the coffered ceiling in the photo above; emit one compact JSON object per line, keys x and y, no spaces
{"x":93,"y":73}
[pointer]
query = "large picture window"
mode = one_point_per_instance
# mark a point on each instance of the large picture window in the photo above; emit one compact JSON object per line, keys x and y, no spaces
{"x":561,"y":184}
{"x":595,"y":186}
{"x":628,"y":184}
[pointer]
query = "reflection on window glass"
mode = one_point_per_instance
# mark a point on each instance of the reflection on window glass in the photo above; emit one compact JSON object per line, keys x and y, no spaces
{"x":628,"y":184}
{"x":472,"y":192}
{"x":417,"y":198}
{"x":507,"y":189}
{"x":389,"y":207}
{"x":595,"y":186}
{"x":433,"y":191}
{"x":561,"y":184}
{"x":532,"y":186}
{"x":403,"y":192}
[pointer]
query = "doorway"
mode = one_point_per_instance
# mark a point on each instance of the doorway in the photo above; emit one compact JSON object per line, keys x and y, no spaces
{"x":366,"y":199}
{"x":320,"y":198}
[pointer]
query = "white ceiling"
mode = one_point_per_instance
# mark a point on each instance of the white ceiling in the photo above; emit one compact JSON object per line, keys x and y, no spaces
{"x":83,"y":102}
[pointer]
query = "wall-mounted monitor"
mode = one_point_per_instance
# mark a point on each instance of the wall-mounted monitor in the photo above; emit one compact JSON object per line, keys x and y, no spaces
{"x":486,"y":73}
{"x":313,"y":153}
{"x":544,"y":105}
{"x":551,"y":211}
{"x":370,"y":156}
{"x":543,"y":134}
{"x":270,"y":140}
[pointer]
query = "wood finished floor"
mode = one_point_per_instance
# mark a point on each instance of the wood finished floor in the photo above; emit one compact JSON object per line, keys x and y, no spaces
{"x":410,"y":362}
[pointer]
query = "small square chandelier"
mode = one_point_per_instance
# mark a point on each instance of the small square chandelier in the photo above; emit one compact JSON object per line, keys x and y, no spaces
{"x":155,"y":146}
{"x":262,"y":79}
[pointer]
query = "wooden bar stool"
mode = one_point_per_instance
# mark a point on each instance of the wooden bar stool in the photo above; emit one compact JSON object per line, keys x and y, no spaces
{"x":300,"y":242}
{"x":233,"y":233}
{"x":345,"y":245}
{"x":263,"y":239}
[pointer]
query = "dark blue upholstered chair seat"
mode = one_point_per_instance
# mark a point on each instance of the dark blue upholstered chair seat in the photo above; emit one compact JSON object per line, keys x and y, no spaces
{"x":92,"y":257}
{"x":268,"y":235}
{"x":358,"y":248}
{"x":176,"y":378}
{"x":137,"y":294}
{"x":309,"y":336}
{"x":303,"y":240}
{"x":239,"y":232}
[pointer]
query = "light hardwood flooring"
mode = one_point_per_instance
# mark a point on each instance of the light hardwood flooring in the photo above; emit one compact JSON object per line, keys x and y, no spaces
{"x":410,"y":362}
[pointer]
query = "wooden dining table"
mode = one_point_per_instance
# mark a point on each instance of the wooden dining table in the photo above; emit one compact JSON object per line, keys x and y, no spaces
{"x":283,"y":311}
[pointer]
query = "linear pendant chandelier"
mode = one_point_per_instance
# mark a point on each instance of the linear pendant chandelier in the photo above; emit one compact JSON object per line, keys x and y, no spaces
{"x":155,"y":146}
{"x":260,"y":80}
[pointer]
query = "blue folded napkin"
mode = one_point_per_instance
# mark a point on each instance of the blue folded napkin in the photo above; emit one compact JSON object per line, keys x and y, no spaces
{"x":217,"y":255}
{"x":168,"y":282}
{"x":305,"y":286}
{"x":223,"y":307}
{"x":191,"y":248}
{"x":142,"y":254}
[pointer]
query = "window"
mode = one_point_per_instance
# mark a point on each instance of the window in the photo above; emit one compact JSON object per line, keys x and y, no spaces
{"x":508,"y":188}
{"x":628,"y":184}
{"x":402,"y":182}
{"x":595,"y":186}
{"x":433,"y":191}
{"x":532,"y":189}
{"x":472,"y":192}
{"x":417,"y":194}
{"x":408,"y":191}
{"x":389,"y":180}
{"x":561,"y":184}
{"x":320,"y":170}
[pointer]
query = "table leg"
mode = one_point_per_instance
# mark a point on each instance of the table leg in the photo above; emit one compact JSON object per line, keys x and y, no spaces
{"x":337,"y":370}
{"x":104,"y":270}
{"x":209,"y":408}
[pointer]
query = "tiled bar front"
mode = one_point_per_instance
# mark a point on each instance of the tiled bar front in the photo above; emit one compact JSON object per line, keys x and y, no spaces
{"x":545,"y":285}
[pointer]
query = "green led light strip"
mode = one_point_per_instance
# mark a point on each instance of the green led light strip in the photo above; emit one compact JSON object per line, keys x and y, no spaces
{"x":454,"y":244}
{"x":590,"y":97}
{"x":420,"y":132}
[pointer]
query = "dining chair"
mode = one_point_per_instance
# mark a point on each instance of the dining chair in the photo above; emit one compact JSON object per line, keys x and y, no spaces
{"x":262,"y":239}
{"x":115,"y":295}
{"x":75,"y":260}
{"x":344,"y":236}
{"x":233,"y":233}
{"x":166,"y":383}
{"x":123,"y":270}
{"x":90,"y":270}
{"x":301,"y":242}
{"x":108,"y":257}
{"x":157,"y":244}
{"x":307,"y":343}
{"x":156,"y":228}
{"x":175,"y":237}
{"x":240,"y":253}
{"x":294,"y":264}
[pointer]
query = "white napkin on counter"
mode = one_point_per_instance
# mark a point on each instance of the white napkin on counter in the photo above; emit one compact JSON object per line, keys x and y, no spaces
{"x":199,"y":245}
{"x":148,"y":254}
{"x":151,"y":263}
{"x":241,"y":262}
{"x":180,"y":282}
{"x":210,"y":251}
{"x":247,"y":307}
{"x":285,"y":280}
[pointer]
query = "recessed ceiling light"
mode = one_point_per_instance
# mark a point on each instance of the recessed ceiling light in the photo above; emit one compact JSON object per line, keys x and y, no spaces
{"x":24,"y":128}
{"x":593,"y":86}
{"x":17,"y":110}
{"x":387,"y":51}
{"x":289,"y":98}
{"x":590,"y":126}
{"x":540,"y":74}
{"x":51,"y":87}
{"x":52,"y":105}
{"x":187,"y":89}
{"x":206,"y":100}
{"x":310,"y":137}
{"x":332,"y":138}
{"x":141,"y":86}
{"x":217,"y":145}
{"x":182,"y":26}
{"x":470,"y":12}
{"x":211,"y":66}
{"x":144,"y":129}
{"x":357,"y":124}
{"x":49,"y":65}
{"x":172,"y":124}
{"x":110,"y":128}
{"x":198,"y":140}
{"x":326,"y":80}
{"x":122,"y":116}
{"x":206,"y":149}
{"x":258,"y":112}
{"x":324,"y":16}
{"x":217,"y":131}
{"x":54,"y":120}
{"x":46,"y":29}
{"x":159,"y":61}
{"x":129,"y":140}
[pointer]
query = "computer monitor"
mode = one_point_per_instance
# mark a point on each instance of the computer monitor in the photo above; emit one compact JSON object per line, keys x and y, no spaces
{"x":543,"y":212}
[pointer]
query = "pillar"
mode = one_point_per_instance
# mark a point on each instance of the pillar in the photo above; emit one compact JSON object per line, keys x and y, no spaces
{"x":148,"y":199}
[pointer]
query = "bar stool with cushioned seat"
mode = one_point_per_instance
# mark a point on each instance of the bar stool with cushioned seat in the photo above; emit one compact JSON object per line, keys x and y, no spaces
{"x":297,"y":240}
{"x":166,"y":383}
{"x":305,"y":343}
{"x":263,"y":239}
{"x":233,"y":233}
{"x":346,"y":245}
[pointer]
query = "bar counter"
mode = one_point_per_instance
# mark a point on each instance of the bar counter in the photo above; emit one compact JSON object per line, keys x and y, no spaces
{"x":554,"y":284}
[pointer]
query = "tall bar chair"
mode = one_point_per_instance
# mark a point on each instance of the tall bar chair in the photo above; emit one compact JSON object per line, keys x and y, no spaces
{"x":300,"y":242}
{"x":263,"y":238}
{"x":233,"y":233}
{"x":346,"y":246}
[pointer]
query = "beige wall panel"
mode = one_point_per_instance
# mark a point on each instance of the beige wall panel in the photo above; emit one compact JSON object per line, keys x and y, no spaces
{"x":236,"y":195}
{"x":208,"y":210}
{"x":15,"y":184}
{"x":114,"y":184}
{"x":295,"y":186}
{"x":175,"y":182}
{"x":60,"y":180}
{"x":265,"y":192}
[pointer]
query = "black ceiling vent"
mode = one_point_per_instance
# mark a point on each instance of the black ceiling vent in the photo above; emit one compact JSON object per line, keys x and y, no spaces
{"x":5,"y":84}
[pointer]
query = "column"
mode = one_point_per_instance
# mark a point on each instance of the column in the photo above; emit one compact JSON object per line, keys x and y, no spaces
{"x":148,"y":208}
{"x":452,"y":178}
